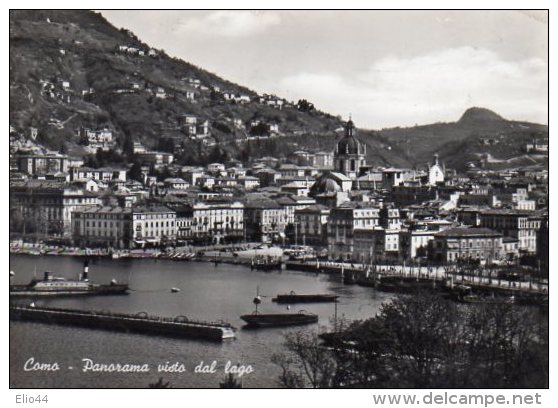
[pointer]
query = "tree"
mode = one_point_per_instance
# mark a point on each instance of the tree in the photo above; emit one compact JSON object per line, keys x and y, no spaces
{"x":309,"y":365}
{"x":128,"y":146}
{"x":424,"y":341}
{"x":246,"y":153}
{"x":135,"y":172}
{"x":261,"y":129}
{"x":304,"y":106}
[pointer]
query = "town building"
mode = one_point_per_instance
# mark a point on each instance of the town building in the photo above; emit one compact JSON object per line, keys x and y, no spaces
{"x":310,"y":225}
{"x":267,"y":177}
{"x":210,"y":222}
{"x":375,"y":245}
{"x":392,"y":177}
{"x":292,"y":203}
{"x":291,"y":170}
{"x":435,"y":172}
{"x":342,"y":223}
{"x":34,"y":164}
{"x":466,"y":244}
{"x":191,"y":174}
{"x":102,"y":174}
{"x":46,"y":207}
{"x":323,"y":160}
{"x":175,"y":183}
{"x":155,"y":158}
{"x":217,"y":169}
{"x":402,"y":196}
{"x":415,"y":237}
{"x":96,"y":139}
{"x":523,"y":225}
{"x":265,"y":221}
{"x":249,"y":182}
{"x":103,"y":226}
{"x":371,"y":180}
{"x":153,"y":226}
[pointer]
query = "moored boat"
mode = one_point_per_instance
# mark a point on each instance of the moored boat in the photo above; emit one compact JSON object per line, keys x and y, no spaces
{"x":279,"y":319}
{"x":293,"y":297}
{"x":57,"y":286}
{"x":257,"y":319}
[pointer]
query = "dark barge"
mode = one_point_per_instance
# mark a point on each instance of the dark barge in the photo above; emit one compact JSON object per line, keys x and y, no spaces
{"x":279,"y":319}
{"x":293,"y":297}
{"x":179,"y":326}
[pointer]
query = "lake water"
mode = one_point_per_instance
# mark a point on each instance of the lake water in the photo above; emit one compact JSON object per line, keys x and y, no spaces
{"x":207,"y":292}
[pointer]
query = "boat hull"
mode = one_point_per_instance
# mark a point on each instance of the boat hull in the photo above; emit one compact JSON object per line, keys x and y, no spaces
{"x":294,"y":298}
{"x":285,"y":319}
{"x":26,"y":291}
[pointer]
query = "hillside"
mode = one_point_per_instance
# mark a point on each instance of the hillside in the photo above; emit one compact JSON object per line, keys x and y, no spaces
{"x":479,"y":132}
{"x":73,"y":69}
{"x":67,"y":71}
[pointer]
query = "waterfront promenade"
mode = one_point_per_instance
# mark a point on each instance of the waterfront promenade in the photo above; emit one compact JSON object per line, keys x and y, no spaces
{"x":242,"y":254}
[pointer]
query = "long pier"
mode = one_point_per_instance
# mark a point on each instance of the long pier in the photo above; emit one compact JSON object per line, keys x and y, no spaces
{"x":179,"y":326}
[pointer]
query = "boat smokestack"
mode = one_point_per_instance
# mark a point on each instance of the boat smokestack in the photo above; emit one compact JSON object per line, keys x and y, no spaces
{"x":47,"y":275}
{"x":85,"y":274}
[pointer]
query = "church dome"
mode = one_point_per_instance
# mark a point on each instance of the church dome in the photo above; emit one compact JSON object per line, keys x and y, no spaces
{"x":325,"y":184}
{"x":349,"y":144}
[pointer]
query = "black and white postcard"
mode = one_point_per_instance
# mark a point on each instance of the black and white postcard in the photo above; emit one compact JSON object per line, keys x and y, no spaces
{"x":280,"y":199}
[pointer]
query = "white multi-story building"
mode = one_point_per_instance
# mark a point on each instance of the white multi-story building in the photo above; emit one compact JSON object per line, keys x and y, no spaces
{"x":342,"y":223}
{"x":265,"y":220}
{"x":153,"y":225}
{"x":249,"y":182}
{"x":102,"y":174}
{"x":97,"y":139}
{"x":176,"y":183}
{"x":213,"y":222}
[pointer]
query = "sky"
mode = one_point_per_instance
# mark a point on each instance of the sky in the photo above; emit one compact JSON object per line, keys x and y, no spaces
{"x":385,"y":68}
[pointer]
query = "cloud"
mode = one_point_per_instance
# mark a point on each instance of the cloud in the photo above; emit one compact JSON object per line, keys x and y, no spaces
{"x":229,"y":23}
{"x":437,"y":86}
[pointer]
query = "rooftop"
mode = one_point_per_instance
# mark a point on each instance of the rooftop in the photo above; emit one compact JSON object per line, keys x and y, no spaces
{"x":468,"y":232}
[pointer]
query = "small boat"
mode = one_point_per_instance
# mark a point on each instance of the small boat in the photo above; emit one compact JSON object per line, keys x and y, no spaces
{"x":257,"y":319}
{"x":293,"y":297}
{"x":175,"y":290}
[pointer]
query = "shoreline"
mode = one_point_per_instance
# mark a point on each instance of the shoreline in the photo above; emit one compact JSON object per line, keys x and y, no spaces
{"x":353,"y":271}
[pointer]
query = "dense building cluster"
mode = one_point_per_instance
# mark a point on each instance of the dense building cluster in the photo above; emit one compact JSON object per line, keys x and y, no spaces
{"x":328,"y":200}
